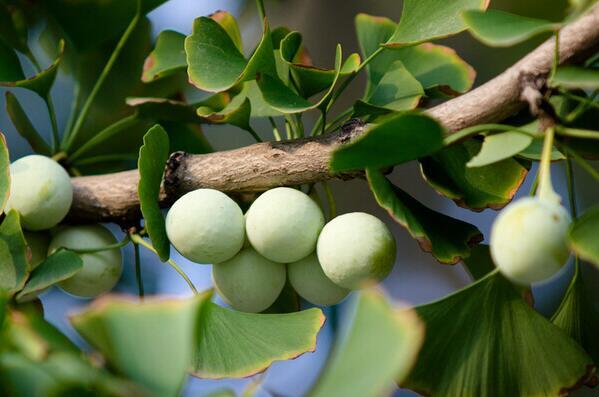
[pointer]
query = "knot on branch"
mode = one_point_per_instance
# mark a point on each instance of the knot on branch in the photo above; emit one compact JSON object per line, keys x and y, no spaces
{"x":171,"y":178}
{"x":534,"y":92}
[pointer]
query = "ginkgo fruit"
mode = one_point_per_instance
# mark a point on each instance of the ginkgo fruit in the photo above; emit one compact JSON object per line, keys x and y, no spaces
{"x":249,"y":282}
{"x":356,"y":248}
{"x":40,"y":190}
{"x":528,"y":240}
{"x":206,"y":226}
{"x":283,"y":224}
{"x":308,"y":279}
{"x":38,"y":243}
{"x":101,"y":270}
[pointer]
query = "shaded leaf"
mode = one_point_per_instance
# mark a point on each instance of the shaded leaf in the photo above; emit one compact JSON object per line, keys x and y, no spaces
{"x":235,"y":344}
{"x":577,"y":316}
{"x":287,"y":302}
{"x":397,"y":139}
{"x":215,"y":63}
{"x":151,"y":163}
{"x":151,"y":342}
{"x":583,"y":235}
{"x":436,"y":67}
{"x":164,"y":109}
{"x":42,"y":82}
{"x":380,"y":349}
{"x":534,"y":150}
{"x":398,"y":90}
{"x":23,"y":125}
{"x":502,"y":29}
{"x":573,"y":77}
{"x":13,"y":30}
{"x":57,"y":267}
{"x":501,"y":146}
{"x":447,"y":238}
{"x":282,"y":98}
{"x":187,"y":138}
{"x":234,"y":114}
{"x":492,"y":186}
{"x":166,"y":58}
{"x":11,"y":66}
{"x":503,"y":346}
{"x":424,"y":20}
{"x":4,"y":173}
{"x":13,"y":258}
{"x":479,"y":263}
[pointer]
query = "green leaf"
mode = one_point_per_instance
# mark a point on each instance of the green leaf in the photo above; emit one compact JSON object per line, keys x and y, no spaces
{"x":380,"y":349}
{"x":4,"y":173}
{"x":577,"y":316}
{"x":234,"y":344}
{"x":13,"y":29}
{"x":448,"y":239}
{"x":310,"y":79}
{"x":535,"y":149}
{"x":282,"y":98}
{"x":397,"y":139}
{"x":436,"y":67}
{"x":499,"y":346}
{"x":152,"y":159}
{"x":151,"y":342}
{"x":42,"y":82}
{"x":92,"y":23}
{"x":502,"y":29}
{"x":11,"y":66}
{"x":583,"y":234}
{"x":164,"y":109}
{"x":187,"y":137}
{"x":57,"y":267}
{"x":215,"y":63}
{"x":574,"y":77}
{"x":479,"y":263}
{"x":228,"y":22}
{"x":424,"y":20}
{"x":166,"y":58}
{"x":492,"y":186}
{"x":398,"y":90}
{"x":234,"y":114}
{"x":23,"y":125}
{"x":501,"y":146}
{"x":13,"y":258}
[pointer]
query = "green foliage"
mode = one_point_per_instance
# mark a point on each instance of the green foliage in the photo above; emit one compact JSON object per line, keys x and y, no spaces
{"x":583,"y":236}
{"x":23,"y":125}
{"x":152,"y":159}
{"x":502,"y":29}
{"x":167,"y":58}
{"x":448,"y":239}
{"x":380,"y":348}
{"x":14,"y":267}
{"x":396,"y":139}
{"x":4,"y":173}
{"x":498,"y":147}
{"x":572,"y":77}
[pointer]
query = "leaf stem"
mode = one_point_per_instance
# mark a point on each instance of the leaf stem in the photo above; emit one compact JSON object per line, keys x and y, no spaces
{"x":261,"y":10}
{"x":275,"y":129}
{"x":138,"y":278}
{"x":254,"y":134}
{"x":546,"y":191}
{"x":54,"y":124}
{"x":332,"y":203}
{"x":582,"y":163}
{"x":139,"y":240}
{"x":571,"y":187}
{"x":555,"y":63}
{"x":582,"y":106}
{"x":588,"y":101}
{"x":70,"y":138}
{"x":75,"y":103}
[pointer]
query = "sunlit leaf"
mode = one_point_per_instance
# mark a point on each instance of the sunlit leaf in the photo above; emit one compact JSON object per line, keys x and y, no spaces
{"x":503,"y":346}
{"x":151,"y":342}
{"x":152,"y":160}
{"x":23,"y":125}
{"x":228,"y":22}
{"x":502,"y":29}
{"x":215,"y":63}
{"x":397,"y":139}
{"x":584,"y":235}
{"x":396,"y":91}
{"x":491,"y":186}
{"x":573,"y":77}
{"x":380,"y":349}
{"x":436,"y":67}
{"x":13,"y":259}
{"x":424,"y":20}
{"x":166,"y":58}
{"x":4,"y":173}
{"x":57,"y":267}
{"x":501,"y":146}
{"x":282,"y":98}
{"x":42,"y":82}
{"x":234,"y":344}
{"x":448,"y":239}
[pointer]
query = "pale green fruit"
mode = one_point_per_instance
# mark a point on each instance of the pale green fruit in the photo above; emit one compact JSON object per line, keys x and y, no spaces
{"x":356,"y":248}
{"x":283,"y":224}
{"x":38,"y":246}
{"x":249,"y":282}
{"x":528,"y":240}
{"x":308,"y":279}
{"x":206,"y":226}
{"x":40,"y":190}
{"x":101,"y":270}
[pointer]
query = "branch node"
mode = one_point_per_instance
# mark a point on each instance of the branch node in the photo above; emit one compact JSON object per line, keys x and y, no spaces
{"x":171,"y":176}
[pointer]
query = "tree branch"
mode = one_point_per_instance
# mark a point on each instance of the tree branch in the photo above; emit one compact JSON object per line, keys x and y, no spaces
{"x":113,"y":197}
